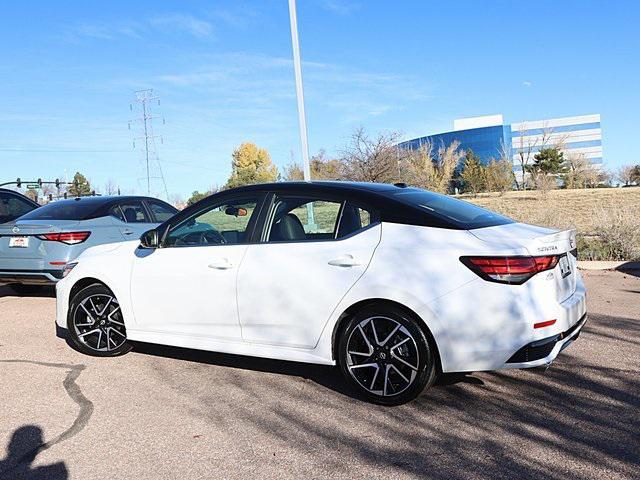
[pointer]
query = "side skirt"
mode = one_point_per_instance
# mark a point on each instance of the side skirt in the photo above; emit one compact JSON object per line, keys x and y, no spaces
{"x":226,"y":346}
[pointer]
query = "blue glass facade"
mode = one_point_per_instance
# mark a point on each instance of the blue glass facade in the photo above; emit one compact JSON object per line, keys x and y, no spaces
{"x":486,"y":142}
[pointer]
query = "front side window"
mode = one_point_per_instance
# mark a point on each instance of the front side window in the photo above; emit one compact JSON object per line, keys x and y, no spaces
{"x":134,"y":212}
{"x":220,"y":224}
{"x":299,"y":219}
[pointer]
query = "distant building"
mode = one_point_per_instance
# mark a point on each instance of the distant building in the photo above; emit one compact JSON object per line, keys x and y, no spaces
{"x":489,"y":137}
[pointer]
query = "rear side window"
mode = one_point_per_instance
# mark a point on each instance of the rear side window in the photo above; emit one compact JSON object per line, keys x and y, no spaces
{"x":298,"y":219}
{"x":12,"y":206}
{"x":354,"y":219}
{"x":161,"y":211}
{"x":116,"y":212}
{"x":461,"y":214}
{"x":134,"y":212}
{"x":64,"y":210}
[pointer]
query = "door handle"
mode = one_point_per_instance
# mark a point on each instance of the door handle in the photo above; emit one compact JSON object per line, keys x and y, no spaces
{"x":221,"y":264}
{"x":345,"y":261}
{"x":127,"y":231}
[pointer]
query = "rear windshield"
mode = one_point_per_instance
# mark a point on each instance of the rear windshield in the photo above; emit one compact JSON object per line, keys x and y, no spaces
{"x":64,"y":210}
{"x":463,"y":215}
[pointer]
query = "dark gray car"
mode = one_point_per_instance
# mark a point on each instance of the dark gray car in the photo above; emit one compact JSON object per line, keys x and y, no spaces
{"x":35,"y":248}
{"x":14,"y":205}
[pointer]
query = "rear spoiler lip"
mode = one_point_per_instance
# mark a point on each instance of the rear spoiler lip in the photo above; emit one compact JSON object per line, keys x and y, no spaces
{"x":559,"y":243}
{"x":33,"y":229}
{"x":538,"y":241}
{"x":567,"y":234}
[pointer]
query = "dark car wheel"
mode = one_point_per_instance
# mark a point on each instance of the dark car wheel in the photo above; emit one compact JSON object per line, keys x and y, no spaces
{"x":95,"y":323}
{"x":385,"y":355}
{"x":24,"y":290}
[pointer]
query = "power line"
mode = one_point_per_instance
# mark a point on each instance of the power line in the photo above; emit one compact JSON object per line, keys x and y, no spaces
{"x":144,"y":101}
{"x":44,"y":150}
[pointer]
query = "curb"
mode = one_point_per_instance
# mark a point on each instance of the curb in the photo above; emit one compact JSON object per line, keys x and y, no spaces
{"x":608,"y":265}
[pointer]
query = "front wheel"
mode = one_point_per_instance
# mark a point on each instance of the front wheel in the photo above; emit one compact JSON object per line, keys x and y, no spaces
{"x":95,"y":323}
{"x":384,"y":354}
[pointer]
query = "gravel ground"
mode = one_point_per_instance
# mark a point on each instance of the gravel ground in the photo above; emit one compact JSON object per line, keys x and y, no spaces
{"x":164,"y":413}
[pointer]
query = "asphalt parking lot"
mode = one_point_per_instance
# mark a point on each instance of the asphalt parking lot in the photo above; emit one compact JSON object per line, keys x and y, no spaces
{"x":169,"y":413}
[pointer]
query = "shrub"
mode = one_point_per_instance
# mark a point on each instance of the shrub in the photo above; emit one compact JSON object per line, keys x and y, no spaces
{"x":618,"y":234}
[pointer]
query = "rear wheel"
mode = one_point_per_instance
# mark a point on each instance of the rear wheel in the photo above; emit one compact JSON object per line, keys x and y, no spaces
{"x":22,"y":289}
{"x":384,"y":354}
{"x":95,"y":323}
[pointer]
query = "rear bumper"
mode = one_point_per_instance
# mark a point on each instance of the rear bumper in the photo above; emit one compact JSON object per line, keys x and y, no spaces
{"x":31,"y":277}
{"x":542,"y":352}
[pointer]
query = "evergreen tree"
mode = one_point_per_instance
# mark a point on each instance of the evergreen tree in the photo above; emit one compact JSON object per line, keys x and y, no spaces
{"x":548,"y":161}
{"x":197,"y":196}
{"x":81,"y":185}
{"x":473,"y":173}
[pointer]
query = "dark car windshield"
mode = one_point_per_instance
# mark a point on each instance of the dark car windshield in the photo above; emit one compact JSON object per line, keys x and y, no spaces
{"x":64,"y":210}
{"x":462,"y":214}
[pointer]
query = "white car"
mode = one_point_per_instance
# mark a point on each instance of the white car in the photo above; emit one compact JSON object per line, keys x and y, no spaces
{"x":393,"y":284}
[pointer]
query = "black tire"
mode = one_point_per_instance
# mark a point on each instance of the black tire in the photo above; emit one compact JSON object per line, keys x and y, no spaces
{"x":385,"y":339}
{"x":26,"y":290}
{"x":95,"y":323}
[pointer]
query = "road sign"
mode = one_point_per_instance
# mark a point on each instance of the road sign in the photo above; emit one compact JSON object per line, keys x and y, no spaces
{"x":33,"y":186}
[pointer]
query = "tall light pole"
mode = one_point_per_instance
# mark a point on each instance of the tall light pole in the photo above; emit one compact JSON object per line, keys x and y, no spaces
{"x":302,"y":119}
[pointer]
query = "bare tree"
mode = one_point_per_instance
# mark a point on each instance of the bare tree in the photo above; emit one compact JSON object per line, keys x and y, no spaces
{"x":432,"y":169}
{"x":32,"y":194}
{"x":580,"y":171}
{"x":526,"y":148}
{"x":368,"y":159}
{"x":177,"y":201}
{"x":110,"y":188}
{"x":48,"y":189}
{"x":626,"y":174}
{"x":293,"y":173}
{"x":322,"y":168}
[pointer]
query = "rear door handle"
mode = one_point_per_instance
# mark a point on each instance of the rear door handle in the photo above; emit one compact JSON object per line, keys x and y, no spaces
{"x":221,"y":264}
{"x":345,"y":261}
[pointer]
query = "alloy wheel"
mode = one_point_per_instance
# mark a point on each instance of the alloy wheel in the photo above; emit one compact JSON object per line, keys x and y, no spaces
{"x":98,"y":323}
{"x":382,"y":356}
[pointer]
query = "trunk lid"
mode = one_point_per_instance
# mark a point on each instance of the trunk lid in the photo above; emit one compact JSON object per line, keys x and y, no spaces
{"x":539,"y":241}
{"x":12,"y":255}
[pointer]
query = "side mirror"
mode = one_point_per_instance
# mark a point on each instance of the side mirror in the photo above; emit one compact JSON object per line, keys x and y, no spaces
{"x":150,"y":239}
{"x":236,"y":211}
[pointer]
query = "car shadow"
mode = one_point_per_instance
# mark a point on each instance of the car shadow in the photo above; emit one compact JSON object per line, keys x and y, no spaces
{"x":44,"y":292}
{"x":630,"y":268}
{"x":327,"y":376}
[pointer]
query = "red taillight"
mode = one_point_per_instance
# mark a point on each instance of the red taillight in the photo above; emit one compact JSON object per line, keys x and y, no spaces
{"x":70,"y":238}
{"x":512,"y":270}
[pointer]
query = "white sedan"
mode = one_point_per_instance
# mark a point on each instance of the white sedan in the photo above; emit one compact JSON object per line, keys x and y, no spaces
{"x":393,"y":284}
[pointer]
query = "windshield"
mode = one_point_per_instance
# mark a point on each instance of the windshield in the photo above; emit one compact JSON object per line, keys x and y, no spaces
{"x":462,"y":214}
{"x":65,"y":210}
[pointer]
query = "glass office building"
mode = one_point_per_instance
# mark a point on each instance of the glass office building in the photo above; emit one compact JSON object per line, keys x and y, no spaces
{"x":489,"y":137}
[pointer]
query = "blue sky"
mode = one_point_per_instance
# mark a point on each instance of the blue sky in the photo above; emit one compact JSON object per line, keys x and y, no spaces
{"x":224,"y":73}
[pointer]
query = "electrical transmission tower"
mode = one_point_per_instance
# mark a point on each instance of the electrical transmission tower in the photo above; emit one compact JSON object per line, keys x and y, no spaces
{"x":143,"y":126}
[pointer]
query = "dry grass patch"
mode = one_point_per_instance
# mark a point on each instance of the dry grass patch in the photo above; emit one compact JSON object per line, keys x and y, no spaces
{"x":607,"y":219}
